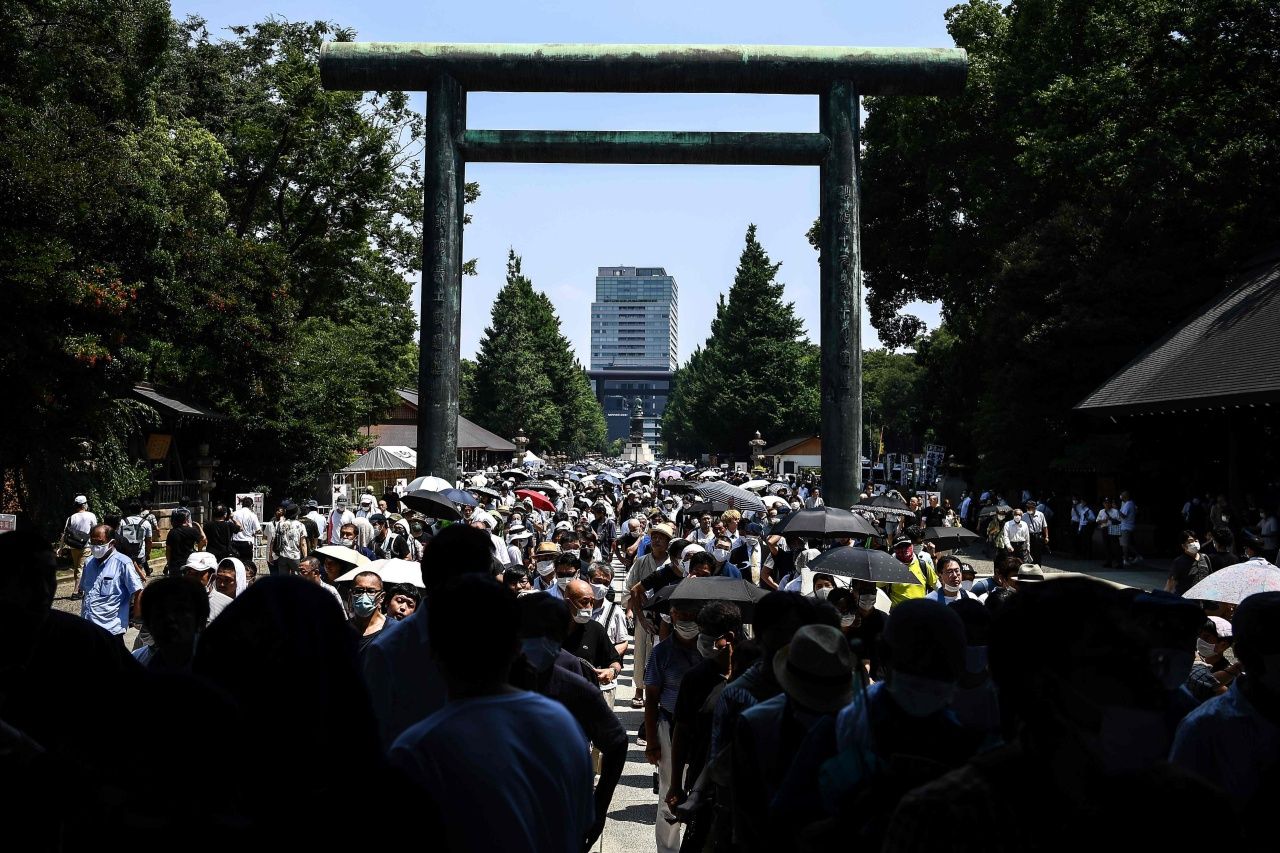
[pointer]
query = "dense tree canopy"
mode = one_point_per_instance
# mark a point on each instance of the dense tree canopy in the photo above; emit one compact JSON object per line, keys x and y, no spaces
{"x":526,"y":376}
{"x":757,"y":371}
{"x":1108,"y":164}
{"x":202,"y":214}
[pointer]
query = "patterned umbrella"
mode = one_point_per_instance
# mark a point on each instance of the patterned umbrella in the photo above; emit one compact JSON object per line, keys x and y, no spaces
{"x":735,"y":497}
{"x":1233,"y":584}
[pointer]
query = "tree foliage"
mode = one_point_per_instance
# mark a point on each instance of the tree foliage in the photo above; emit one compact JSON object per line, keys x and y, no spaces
{"x":757,"y":370}
{"x":1109,"y":162}
{"x":202,"y":214}
{"x":526,"y":375}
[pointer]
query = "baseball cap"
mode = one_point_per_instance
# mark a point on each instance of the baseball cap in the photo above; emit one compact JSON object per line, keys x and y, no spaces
{"x":1221,"y":627}
{"x":313,"y":504}
{"x":81,"y":500}
{"x":902,"y":540}
{"x":562,"y":525}
{"x":341,"y":500}
{"x":201,"y":561}
{"x":377,"y":518}
{"x":366,"y":500}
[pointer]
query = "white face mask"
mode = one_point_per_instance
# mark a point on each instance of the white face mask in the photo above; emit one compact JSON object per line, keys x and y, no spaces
{"x":599,"y":590}
{"x":100,"y":551}
{"x":720,"y":554}
{"x":546,"y":567}
{"x":949,"y":589}
{"x":821,"y":593}
{"x":966,"y":585}
{"x":1205,"y":650}
{"x":846,"y":621}
{"x":582,"y":617}
{"x":561,"y":583}
{"x":707,"y":645}
{"x":348,"y":541}
{"x":686,"y":630}
{"x":868,"y":601}
{"x":1192,"y":548}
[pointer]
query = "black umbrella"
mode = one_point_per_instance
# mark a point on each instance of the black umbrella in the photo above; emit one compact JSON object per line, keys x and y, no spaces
{"x":890,"y":505}
{"x":431,"y":504}
{"x":461,"y":498}
{"x":715,"y":588}
{"x":736,"y":497}
{"x":823,"y":521}
{"x":950,"y":537}
{"x":543,"y":486}
{"x":863,"y":564}
{"x":992,"y":510}
{"x":713,"y":507}
{"x":516,"y":473}
{"x":480,"y":490}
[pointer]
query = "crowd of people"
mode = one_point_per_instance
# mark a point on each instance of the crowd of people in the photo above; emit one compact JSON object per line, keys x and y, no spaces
{"x":805,"y":710}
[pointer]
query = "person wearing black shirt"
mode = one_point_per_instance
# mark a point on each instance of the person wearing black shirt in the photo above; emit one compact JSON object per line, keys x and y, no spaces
{"x":933,"y":514}
{"x":861,"y":623}
{"x":219,"y":533}
{"x":184,"y":537}
{"x":719,"y":627}
{"x":1180,"y":573}
{"x":586,"y":637}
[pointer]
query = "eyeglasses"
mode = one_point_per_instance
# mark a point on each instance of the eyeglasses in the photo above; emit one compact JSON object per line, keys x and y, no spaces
{"x":308,"y":573}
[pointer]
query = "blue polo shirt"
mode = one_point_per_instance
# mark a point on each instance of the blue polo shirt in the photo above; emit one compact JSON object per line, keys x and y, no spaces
{"x":108,"y":585}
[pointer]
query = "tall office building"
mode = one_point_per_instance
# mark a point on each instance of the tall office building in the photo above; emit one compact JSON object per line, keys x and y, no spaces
{"x":633,"y":345}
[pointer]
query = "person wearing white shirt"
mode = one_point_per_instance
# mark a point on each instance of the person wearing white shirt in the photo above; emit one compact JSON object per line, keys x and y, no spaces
{"x":1038,"y":527}
{"x":1018,"y":534}
{"x":242,"y":539}
{"x":338,"y":517}
{"x":607,"y":611}
{"x":1082,"y":519}
{"x":1128,"y":524}
{"x":1109,"y":523}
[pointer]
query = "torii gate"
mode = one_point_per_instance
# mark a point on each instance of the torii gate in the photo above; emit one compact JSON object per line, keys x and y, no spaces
{"x":837,"y":75}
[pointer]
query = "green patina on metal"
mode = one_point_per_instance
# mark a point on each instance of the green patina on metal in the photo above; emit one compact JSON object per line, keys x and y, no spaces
{"x":837,"y":75}
{"x":631,"y":146}
{"x":766,"y":69}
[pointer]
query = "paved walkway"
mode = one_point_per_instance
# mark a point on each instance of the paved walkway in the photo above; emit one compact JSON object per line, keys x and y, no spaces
{"x":1149,"y":574}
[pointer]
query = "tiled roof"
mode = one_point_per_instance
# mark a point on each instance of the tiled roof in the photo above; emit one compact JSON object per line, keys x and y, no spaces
{"x":1226,"y":355}
{"x":471,"y":436}
{"x":148,"y":392}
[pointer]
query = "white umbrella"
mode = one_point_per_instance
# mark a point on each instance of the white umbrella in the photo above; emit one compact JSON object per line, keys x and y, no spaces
{"x":753,"y":485}
{"x":479,"y":481}
{"x":1233,"y":584}
{"x":431,"y":484}
{"x":391,"y":571}
{"x":771,"y":501}
{"x":708,"y":475}
{"x":343,"y":554}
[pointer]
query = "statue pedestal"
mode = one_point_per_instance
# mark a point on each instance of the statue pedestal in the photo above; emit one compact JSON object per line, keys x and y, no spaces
{"x":638,"y":453}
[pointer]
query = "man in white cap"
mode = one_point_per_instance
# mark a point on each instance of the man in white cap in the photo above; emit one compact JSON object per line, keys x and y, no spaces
{"x":200,"y":568}
{"x":339,"y":516}
{"x":75,"y":536}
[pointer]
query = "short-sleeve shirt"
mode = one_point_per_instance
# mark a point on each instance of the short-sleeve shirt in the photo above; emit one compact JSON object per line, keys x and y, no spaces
{"x":590,"y":642}
{"x":108,"y":585}
{"x":522,"y":755}
{"x":82,"y":522}
{"x":1130,"y":516}
{"x":182,"y":541}
{"x":248,"y":522}
{"x":286,"y":536}
{"x":667,"y":665}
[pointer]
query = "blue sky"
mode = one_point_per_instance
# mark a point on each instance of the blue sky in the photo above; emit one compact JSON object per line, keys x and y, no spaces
{"x":566,"y":220}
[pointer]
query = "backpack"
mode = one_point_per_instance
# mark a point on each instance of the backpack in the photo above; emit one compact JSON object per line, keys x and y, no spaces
{"x":74,"y":538}
{"x":133,"y":534}
{"x":1200,"y":570}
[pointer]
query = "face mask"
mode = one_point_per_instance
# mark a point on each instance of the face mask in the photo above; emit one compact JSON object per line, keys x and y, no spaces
{"x":348,"y":542}
{"x":100,"y":551}
{"x":541,"y":652}
{"x":907,"y":554}
{"x":686,"y":630}
{"x":546,"y":567}
{"x":822,"y":593}
{"x":599,"y":590}
{"x":720,"y":554}
{"x":582,"y":617}
{"x":1192,"y":548}
{"x":846,"y":621}
{"x":975,"y":659}
{"x":1205,"y":650}
{"x":561,"y":583}
{"x":363,"y":604}
{"x":868,"y":601}
{"x":919,"y":697}
{"x":795,"y":505}
{"x":707,"y":646}
{"x":949,"y":589}
{"x":966,"y":585}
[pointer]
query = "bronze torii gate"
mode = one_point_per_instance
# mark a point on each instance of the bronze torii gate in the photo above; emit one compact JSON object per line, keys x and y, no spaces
{"x":837,"y":75}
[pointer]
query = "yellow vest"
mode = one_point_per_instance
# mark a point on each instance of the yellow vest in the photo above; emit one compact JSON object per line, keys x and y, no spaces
{"x":900,"y":592}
